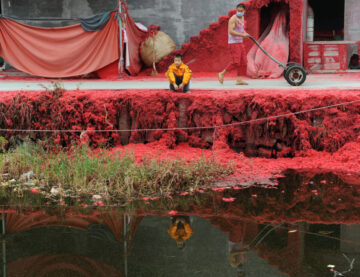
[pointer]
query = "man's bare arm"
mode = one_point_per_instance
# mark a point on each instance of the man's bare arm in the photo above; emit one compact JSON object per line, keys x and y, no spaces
{"x":232,"y":25}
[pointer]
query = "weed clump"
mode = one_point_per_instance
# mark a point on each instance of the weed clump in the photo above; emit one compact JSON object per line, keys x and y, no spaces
{"x":82,"y":170}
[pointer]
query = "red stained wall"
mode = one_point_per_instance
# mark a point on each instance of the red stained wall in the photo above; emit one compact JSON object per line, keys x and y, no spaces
{"x":207,"y":52}
{"x":320,"y":56}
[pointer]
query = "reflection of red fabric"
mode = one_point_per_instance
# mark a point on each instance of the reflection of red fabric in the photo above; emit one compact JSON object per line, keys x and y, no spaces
{"x":17,"y":223}
{"x":288,"y":258}
{"x":238,"y":231}
{"x":275,"y":41}
{"x":58,"y":52}
{"x":236,"y":228}
{"x":61,"y":265}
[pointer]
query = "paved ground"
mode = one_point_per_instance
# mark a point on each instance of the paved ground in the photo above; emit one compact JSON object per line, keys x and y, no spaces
{"x":314,"y":82}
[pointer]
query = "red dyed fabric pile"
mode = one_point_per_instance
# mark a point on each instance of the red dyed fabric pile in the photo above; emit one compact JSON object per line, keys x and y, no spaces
{"x":71,"y":51}
{"x":295,"y":24}
{"x":58,"y":52}
{"x":275,"y":41}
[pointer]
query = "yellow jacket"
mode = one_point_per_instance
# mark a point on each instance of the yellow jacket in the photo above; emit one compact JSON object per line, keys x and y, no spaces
{"x":183,"y":234}
{"x":183,"y":71}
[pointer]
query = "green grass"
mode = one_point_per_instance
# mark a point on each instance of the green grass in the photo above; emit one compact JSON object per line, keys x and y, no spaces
{"x":84,"y":171}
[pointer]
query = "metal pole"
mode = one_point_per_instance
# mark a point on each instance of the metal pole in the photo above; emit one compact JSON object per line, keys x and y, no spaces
{"x":125,"y":244}
{"x":3,"y":245}
{"x":121,"y":61}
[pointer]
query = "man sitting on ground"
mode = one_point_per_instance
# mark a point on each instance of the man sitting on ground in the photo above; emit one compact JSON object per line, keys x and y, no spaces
{"x":179,"y":75}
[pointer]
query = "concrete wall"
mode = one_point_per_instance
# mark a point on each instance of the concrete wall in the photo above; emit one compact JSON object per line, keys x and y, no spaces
{"x":57,"y":11}
{"x":352,"y":22}
{"x":181,"y":19}
{"x":56,"y":8}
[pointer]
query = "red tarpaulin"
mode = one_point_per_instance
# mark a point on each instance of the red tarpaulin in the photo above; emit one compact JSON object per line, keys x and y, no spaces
{"x":275,"y":40}
{"x":58,"y":52}
{"x":135,"y":36}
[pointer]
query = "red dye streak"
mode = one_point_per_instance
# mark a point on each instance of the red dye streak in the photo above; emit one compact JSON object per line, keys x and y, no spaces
{"x":173,"y":213}
{"x":230,"y":199}
{"x":34,"y":191}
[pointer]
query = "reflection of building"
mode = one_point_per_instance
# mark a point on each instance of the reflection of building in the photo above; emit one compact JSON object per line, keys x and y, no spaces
{"x":348,"y":234}
{"x":60,"y":265}
{"x":94,"y":245}
{"x":280,"y":248}
{"x":294,"y":249}
{"x":77,"y":245}
{"x":321,"y":250}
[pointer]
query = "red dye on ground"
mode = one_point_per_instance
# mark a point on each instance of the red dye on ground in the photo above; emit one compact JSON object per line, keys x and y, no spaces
{"x":110,"y":72}
{"x":325,"y":139}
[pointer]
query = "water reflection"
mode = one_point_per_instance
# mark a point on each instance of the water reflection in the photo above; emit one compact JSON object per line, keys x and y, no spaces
{"x":143,"y":247}
{"x":299,"y":228}
{"x":180,"y":230}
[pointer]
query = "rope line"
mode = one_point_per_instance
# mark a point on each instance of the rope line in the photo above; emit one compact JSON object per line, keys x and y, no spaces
{"x":186,"y":128}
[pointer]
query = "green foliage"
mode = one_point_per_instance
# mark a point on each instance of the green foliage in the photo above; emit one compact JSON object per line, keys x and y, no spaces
{"x":3,"y":143}
{"x":85,"y":171}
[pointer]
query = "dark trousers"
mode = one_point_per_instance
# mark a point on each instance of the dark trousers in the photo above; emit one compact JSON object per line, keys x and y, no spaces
{"x":186,"y":218}
{"x":178,"y":81}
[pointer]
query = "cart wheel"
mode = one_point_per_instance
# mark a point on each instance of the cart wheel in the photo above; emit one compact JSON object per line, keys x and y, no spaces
{"x":295,"y":75}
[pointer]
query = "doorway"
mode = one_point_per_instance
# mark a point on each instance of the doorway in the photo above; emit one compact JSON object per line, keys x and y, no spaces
{"x":329,"y":16}
{"x":267,"y":14}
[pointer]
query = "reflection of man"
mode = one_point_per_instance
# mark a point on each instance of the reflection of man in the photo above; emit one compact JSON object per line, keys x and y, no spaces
{"x":180,"y":230}
{"x":237,"y":257}
{"x":237,"y":248}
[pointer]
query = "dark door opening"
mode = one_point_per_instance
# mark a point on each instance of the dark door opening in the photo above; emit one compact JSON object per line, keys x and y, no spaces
{"x":329,"y":19}
{"x":268,"y":14}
